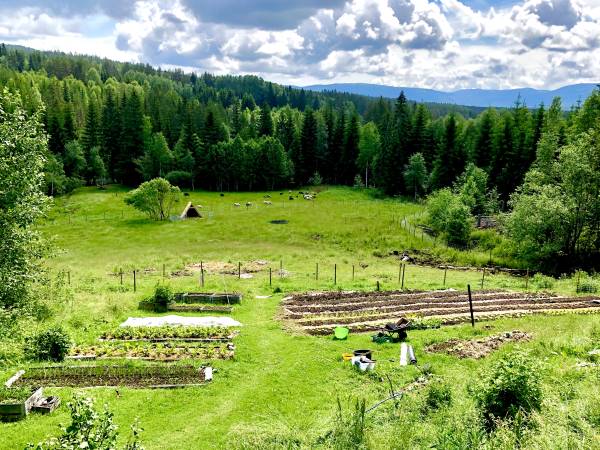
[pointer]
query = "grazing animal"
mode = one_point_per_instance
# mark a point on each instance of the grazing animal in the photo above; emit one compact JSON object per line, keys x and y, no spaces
{"x":248,"y":204}
{"x":301,"y":193}
{"x":222,"y":195}
{"x":281,"y":193}
{"x":291,"y":198}
{"x":237,"y":205}
{"x":267,"y":196}
{"x":267,"y":202}
{"x":308,"y":197}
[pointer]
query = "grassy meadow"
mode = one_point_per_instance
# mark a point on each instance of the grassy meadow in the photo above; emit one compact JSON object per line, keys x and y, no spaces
{"x":282,"y":388}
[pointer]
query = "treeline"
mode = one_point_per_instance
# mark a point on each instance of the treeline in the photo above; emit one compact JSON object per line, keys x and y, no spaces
{"x":130,"y":122}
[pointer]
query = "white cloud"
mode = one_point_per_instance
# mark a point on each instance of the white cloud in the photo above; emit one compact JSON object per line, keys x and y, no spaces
{"x":443,"y":44}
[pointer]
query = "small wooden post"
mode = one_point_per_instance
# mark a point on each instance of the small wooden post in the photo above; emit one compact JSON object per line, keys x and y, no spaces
{"x":527,"y":280}
{"x":270,"y":277}
{"x":403,"y":272}
{"x":134,"y":282}
{"x":377,"y":286}
{"x":471,"y":305}
{"x":483,"y":278}
{"x":69,"y":277}
{"x":281,"y":268}
{"x":352,"y":272}
{"x":202,"y":273}
{"x":445,"y":270}
{"x":317,"y":272}
{"x":239,"y":270}
{"x":578,"y":279}
{"x":164,"y":271}
{"x":335,"y":274}
{"x":121,"y":273}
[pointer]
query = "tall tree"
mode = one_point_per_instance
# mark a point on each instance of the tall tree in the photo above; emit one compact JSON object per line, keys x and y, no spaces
{"x":484,"y":144}
{"x":111,"y":130}
{"x":305,"y":161}
{"x":132,"y":139}
{"x":266,"y":121}
{"x":350,"y":153}
{"x":450,"y":159}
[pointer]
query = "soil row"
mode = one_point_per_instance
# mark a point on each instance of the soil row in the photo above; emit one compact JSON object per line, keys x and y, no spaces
{"x":432,"y":310}
{"x":447,"y":306}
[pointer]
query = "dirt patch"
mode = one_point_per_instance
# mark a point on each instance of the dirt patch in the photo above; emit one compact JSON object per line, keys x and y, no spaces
{"x":226,"y":268}
{"x":477,"y":348}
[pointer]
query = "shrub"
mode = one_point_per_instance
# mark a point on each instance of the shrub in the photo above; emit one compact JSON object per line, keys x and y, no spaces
{"x":511,"y":386}
{"x":154,"y":198}
{"x":163,"y":296}
{"x":89,"y":429}
{"x":316,"y":179}
{"x":542,"y":282}
{"x":458,"y":225}
{"x":438,"y":395}
{"x":49,"y":345}
{"x":179,"y":178}
{"x":587,"y":285}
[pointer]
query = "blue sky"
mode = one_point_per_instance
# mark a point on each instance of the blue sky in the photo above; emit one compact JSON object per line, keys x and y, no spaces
{"x":441,"y":44}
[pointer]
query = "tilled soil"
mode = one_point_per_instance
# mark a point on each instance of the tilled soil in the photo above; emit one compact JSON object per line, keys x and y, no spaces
{"x":477,"y":348}
{"x":318,"y":313}
{"x":89,"y":376}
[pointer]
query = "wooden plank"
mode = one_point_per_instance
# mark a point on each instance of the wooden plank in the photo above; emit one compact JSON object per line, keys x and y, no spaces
{"x":14,"y":378}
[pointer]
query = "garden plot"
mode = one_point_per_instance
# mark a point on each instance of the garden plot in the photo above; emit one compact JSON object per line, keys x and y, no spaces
{"x":477,"y":348}
{"x":122,"y":375}
{"x":160,"y":343}
{"x":319,"y":313}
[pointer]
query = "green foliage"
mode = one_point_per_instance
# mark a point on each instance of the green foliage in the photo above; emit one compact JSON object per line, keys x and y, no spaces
{"x":437,"y":396}
{"x":163,"y":295}
{"x":179,"y":178}
{"x":350,"y":430}
{"x":415,"y":175}
{"x":14,"y":394}
{"x":155,"y":198}
{"x":448,"y":215}
{"x":23,"y":146}
{"x":542,"y":282}
{"x":511,"y":386}
{"x":89,"y":429}
{"x":51,"y":344}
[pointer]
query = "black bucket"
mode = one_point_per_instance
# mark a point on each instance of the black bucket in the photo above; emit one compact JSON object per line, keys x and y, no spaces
{"x":366,"y":353}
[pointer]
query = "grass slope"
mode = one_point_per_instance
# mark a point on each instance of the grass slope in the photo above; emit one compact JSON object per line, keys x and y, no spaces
{"x":281,"y":389}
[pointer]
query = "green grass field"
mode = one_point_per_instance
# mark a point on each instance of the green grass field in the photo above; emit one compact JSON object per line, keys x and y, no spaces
{"x":281,"y":389}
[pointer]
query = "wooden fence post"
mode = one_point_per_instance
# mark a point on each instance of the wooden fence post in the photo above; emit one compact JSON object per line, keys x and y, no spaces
{"x":202,"y":273}
{"x":69,"y":277}
{"x":121,"y":273}
{"x":471,"y":305}
{"x":335,"y":274}
{"x":270,"y":277}
{"x":352,"y":272}
{"x":377,"y":286}
{"x":445,"y":270}
{"x":164,"y":271}
{"x":403,"y":272}
{"x":317,"y":272}
{"x":281,"y":268}
{"x":239,"y":270}
{"x":134,"y":282}
{"x":527,"y":280}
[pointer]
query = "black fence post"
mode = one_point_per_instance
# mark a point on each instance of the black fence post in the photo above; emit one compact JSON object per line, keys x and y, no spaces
{"x":403,"y":272}
{"x":134,"y":282}
{"x":317,"y":272}
{"x":335,"y":274}
{"x":69,"y":277}
{"x":270,"y":277}
{"x":121,"y":273}
{"x":352,"y":272}
{"x":239,"y":270}
{"x":471,"y":305}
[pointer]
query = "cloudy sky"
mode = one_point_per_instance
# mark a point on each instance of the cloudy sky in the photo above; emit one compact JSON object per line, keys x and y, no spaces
{"x":442,"y":44}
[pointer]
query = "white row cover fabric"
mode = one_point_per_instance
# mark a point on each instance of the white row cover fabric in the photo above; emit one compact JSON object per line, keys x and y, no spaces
{"x":208,"y":321}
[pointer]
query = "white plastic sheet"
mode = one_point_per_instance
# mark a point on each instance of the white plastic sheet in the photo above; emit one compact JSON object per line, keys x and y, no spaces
{"x":207,"y":321}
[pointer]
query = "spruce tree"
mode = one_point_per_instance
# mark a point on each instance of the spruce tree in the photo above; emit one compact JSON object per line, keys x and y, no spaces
{"x":92,"y":132}
{"x":266,"y":121}
{"x":482,"y":153}
{"x":111,"y":131}
{"x":132,"y":139}
{"x":305,"y":163}
{"x":350,"y":152}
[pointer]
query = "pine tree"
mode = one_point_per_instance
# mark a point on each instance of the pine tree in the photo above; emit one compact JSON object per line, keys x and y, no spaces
{"x":92,"y":132}
{"x":388,"y":174}
{"x":266,"y":121}
{"x":402,"y":116}
{"x":482,"y":153}
{"x":450,"y":159}
{"x":111,"y":131}
{"x":132,"y":139}
{"x":350,"y":152}
{"x":305,"y":162}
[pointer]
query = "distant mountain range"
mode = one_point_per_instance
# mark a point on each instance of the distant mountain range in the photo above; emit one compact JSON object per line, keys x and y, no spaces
{"x":505,"y":98}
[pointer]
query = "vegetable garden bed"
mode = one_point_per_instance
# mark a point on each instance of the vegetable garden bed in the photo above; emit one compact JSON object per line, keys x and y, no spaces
{"x":368,"y":311}
{"x":169,"y":332}
{"x":155,"y":351}
{"x":122,"y":375}
{"x":203,"y":297}
{"x":16,"y":402}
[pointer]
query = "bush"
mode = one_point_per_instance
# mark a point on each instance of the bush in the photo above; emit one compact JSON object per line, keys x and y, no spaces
{"x":89,"y":429}
{"x":586,"y":284}
{"x":542,"y":282}
{"x":458,"y":225}
{"x":163,"y":296}
{"x":511,"y":386}
{"x":179,"y":178}
{"x":438,"y":396}
{"x":49,"y":345}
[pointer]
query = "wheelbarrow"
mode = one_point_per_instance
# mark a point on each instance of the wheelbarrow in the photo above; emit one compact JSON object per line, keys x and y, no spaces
{"x":397,"y":331}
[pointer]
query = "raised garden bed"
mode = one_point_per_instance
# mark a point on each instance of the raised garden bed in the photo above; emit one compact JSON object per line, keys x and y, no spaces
{"x":16,"y":402}
{"x":142,"y":376}
{"x":195,"y":307}
{"x":46,"y":405}
{"x":203,"y":297}
{"x":154,"y":351}
{"x":368,"y":311}
{"x":169,"y":332}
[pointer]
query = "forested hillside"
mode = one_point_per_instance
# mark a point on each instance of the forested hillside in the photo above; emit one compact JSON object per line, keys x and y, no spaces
{"x":130,"y":122}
